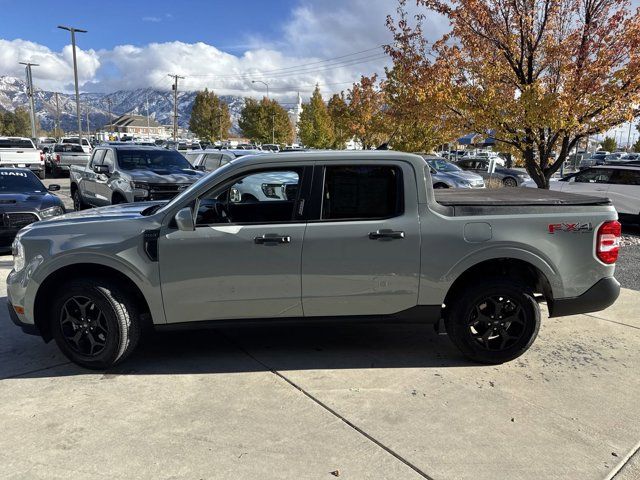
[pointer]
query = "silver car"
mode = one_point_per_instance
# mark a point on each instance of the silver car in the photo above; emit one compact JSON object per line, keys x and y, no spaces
{"x":447,"y":175}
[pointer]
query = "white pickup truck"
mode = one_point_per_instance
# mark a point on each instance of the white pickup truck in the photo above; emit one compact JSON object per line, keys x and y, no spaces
{"x":20,"y":152}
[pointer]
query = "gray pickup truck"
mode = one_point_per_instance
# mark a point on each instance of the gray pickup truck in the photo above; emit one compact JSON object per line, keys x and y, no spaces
{"x":130,"y":173}
{"x":65,"y":155}
{"x":363,"y":236}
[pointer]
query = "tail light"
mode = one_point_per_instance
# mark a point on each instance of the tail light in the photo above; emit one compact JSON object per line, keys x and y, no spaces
{"x":41,"y":156}
{"x":608,"y":242}
{"x":57,"y":158}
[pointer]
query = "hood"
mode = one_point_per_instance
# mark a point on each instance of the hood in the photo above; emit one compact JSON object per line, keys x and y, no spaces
{"x":165,"y":175}
{"x":25,"y":202}
{"x":463,"y":175}
{"x":112,"y":212}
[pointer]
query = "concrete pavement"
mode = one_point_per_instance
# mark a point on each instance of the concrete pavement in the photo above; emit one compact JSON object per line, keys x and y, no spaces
{"x":374,"y":401}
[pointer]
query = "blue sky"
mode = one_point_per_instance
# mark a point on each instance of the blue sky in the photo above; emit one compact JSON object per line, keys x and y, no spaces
{"x":220,"y":22}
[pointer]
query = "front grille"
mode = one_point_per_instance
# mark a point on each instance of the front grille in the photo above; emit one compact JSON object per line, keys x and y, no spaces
{"x":166,"y":191}
{"x":17,"y":220}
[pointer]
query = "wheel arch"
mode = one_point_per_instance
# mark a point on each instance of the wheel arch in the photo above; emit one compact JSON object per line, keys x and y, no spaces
{"x":118,"y":194}
{"x":508,"y":267}
{"x":52,"y":284}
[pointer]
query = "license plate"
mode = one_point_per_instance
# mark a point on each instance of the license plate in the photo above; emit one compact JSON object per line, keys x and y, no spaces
{"x":22,"y":165}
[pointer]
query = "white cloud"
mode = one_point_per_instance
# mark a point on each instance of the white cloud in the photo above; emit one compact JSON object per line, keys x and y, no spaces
{"x":315,"y":31}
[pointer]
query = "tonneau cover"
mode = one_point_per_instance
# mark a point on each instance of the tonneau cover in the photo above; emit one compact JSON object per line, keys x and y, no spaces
{"x":514,"y":197}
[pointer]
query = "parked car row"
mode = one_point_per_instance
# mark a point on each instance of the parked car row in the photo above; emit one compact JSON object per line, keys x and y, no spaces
{"x":620,"y":183}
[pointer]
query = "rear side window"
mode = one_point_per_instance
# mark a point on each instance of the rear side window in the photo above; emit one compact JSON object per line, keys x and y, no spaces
{"x":626,"y":177}
{"x":596,"y":175}
{"x":362,"y":192}
{"x":212,"y":161}
{"x":16,"y":143}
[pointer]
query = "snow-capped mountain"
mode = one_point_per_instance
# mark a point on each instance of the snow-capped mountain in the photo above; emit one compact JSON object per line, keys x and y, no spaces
{"x":13,"y":94}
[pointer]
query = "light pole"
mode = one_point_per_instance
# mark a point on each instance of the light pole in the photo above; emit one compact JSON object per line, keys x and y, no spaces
{"x":30,"y":95}
{"x":75,"y":74}
{"x":264,"y":83}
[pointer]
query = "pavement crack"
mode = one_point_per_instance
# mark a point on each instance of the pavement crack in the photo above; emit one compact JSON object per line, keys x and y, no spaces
{"x":626,"y":459}
{"x":330,"y":410}
{"x":612,"y":321}
{"x":35,"y":371}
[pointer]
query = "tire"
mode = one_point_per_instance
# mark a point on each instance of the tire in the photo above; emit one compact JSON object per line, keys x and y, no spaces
{"x":117,"y":199}
{"x":78,"y":204}
{"x":509,"y":182}
{"x":95,"y":323}
{"x":440,"y":185}
{"x":42,"y":174}
{"x":494,"y":340}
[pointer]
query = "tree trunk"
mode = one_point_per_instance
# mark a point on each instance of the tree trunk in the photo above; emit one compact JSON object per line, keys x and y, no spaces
{"x":534,"y":169}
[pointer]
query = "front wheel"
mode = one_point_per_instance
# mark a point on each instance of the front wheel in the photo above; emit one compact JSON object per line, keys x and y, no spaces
{"x":95,"y":323}
{"x":494,"y":321}
{"x":78,"y":204}
{"x":510,"y":182}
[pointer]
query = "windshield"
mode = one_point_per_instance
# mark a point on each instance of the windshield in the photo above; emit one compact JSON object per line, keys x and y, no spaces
{"x":16,"y":181}
{"x":154,"y":160}
{"x":443,"y":166}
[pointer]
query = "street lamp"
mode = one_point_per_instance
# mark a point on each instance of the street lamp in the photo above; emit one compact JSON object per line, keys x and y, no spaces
{"x":264,"y":83}
{"x":75,"y":74}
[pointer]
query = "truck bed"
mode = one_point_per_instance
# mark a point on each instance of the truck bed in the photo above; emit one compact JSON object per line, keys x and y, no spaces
{"x":505,"y":201}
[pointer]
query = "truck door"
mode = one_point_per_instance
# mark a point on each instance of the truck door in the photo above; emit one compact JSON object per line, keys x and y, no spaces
{"x":87,"y":180}
{"x":243,"y":258}
{"x":102,"y":189}
{"x":361,"y":251}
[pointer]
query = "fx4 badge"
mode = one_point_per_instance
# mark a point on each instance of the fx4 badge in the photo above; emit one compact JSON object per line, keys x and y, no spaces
{"x":570,"y":227}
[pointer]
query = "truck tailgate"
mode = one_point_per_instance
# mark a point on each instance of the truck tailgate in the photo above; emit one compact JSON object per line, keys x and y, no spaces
{"x":19,"y":157}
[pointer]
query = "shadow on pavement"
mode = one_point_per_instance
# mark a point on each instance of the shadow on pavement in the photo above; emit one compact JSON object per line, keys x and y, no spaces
{"x":258,"y":348}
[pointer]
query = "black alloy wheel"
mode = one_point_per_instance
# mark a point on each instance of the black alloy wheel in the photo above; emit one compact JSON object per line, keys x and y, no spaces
{"x":497,"y":322}
{"x":493,"y":320}
{"x":84,"y":326}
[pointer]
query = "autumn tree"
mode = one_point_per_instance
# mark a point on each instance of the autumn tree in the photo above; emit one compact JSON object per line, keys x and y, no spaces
{"x":315,"y":126}
{"x":542,"y":74}
{"x":417,"y":115}
{"x":339,"y":113}
{"x":265,"y":121}
{"x":367,"y":116}
{"x":609,"y":144}
{"x":210,"y":117}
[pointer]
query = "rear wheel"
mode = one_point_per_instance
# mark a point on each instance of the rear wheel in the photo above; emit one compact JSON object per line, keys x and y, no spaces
{"x":509,"y":182}
{"x":440,"y":185}
{"x":94,"y":323}
{"x":494,"y":321}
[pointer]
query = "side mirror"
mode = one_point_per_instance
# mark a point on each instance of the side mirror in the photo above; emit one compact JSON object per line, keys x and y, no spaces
{"x":184,"y":220}
{"x":54,"y":187}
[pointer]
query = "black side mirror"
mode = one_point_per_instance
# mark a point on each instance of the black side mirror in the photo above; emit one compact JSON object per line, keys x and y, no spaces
{"x":54,"y":187}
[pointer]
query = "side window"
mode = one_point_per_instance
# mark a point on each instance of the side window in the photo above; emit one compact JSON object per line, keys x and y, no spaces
{"x":212,"y":161}
{"x":596,"y":175}
{"x":263,"y":197}
{"x":225,"y":159}
{"x":97,"y":157}
{"x":361,"y":192}
{"x":109,"y":160}
{"x":626,"y":177}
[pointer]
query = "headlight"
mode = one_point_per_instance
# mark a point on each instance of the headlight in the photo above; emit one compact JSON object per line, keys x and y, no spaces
{"x":51,"y":212}
{"x":141,"y":189}
{"x":18,"y":255}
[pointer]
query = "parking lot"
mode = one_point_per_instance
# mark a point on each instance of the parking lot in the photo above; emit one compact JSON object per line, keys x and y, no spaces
{"x":362,"y":401}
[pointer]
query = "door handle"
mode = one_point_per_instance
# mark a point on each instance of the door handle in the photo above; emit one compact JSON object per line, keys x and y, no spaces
{"x":390,"y":234}
{"x":272,"y":238}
